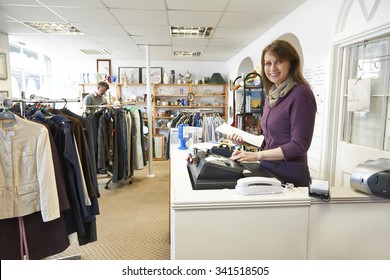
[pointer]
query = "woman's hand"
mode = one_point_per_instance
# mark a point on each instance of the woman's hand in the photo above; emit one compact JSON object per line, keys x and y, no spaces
{"x":245,"y":156}
{"x":236,"y":139}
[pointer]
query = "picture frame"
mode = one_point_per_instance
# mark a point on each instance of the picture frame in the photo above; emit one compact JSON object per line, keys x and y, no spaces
{"x":158,"y":146}
{"x":131,"y":74}
{"x":103,"y":66}
{"x":155,"y":75}
{"x":3,"y":67}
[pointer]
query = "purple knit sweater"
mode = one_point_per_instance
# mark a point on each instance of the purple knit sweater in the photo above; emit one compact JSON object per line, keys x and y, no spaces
{"x":290,"y":123}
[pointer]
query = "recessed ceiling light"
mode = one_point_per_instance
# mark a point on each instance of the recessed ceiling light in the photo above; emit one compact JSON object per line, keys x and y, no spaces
{"x":190,"y":32}
{"x":96,"y":51}
{"x":186,"y":54}
{"x":54,"y":27}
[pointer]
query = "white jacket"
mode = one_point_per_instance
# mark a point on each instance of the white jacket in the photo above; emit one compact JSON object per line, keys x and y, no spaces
{"x":27,"y":178}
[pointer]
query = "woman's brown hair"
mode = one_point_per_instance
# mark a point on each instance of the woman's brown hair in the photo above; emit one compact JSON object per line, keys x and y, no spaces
{"x":283,"y":50}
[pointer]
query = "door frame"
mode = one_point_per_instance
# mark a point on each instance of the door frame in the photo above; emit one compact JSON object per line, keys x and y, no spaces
{"x":334,"y":98}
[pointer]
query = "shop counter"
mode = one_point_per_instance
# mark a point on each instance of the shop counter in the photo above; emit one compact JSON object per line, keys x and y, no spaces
{"x":222,"y":224}
{"x":352,"y":225}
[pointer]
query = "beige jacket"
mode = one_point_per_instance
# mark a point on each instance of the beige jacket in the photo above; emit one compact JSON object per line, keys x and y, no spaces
{"x":27,"y":178}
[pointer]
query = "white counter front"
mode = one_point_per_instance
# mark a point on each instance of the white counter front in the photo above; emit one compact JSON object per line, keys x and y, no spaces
{"x":352,"y":225}
{"x":222,"y":224}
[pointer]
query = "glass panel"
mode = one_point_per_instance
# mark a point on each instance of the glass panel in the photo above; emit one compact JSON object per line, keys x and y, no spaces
{"x":30,"y":71}
{"x":368,"y":60}
{"x":366,"y":127}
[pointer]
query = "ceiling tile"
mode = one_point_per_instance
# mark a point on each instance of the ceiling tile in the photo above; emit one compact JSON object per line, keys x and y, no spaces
{"x":121,"y":47}
{"x":190,"y":41}
{"x":102,"y":29}
{"x":19,"y":2}
{"x":81,"y":41}
{"x":188,"y":48}
{"x":72,"y":3}
{"x":225,"y":42}
{"x":30,"y":13}
{"x":125,"y":40}
{"x":141,"y":40}
{"x":244,"y":20}
{"x":17,"y":28}
{"x":234,"y":33}
{"x":150,"y":30}
{"x":139,"y":17}
{"x":198,"y":5}
{"x":193,"y":19}
{"x":136,"y":4}
{"x":90,"y":15}
{"x":254,"y":6}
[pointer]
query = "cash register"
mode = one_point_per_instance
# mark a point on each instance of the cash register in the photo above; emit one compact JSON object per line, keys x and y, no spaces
{"x":209,"y":170}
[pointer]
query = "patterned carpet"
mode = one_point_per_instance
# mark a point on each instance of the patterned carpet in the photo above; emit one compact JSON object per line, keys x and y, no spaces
{"x":134,"y":220}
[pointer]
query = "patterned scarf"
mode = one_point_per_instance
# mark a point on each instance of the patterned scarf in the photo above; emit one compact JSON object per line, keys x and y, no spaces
{"x":280,"y":91}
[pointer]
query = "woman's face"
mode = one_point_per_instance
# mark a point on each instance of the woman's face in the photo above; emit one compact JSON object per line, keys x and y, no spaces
{"x":277,"y":71}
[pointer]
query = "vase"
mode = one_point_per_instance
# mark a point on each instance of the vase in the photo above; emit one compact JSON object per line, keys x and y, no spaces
{"x":166,"y":78}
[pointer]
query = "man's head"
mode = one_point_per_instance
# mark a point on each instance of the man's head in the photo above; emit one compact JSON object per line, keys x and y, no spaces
{"x":102,"y":88}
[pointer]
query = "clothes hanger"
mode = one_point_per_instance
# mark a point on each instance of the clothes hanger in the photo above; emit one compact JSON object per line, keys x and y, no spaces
{"x":66,"y":103}
{"x":7,"y":115}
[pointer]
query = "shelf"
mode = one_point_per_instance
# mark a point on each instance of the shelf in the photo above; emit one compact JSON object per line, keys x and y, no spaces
{"x":204,"y":96}
{"x":252,"y":87}
{"x":167,"y":117}
{"x":95,"y":84}
{"x":171,"y":95}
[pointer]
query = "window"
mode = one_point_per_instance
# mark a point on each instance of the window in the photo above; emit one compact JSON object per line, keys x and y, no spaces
{"x":369,"y":60}
{"x":30,"y":72}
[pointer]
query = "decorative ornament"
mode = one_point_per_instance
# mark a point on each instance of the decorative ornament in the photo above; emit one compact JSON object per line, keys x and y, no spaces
{"x":191,"y":97}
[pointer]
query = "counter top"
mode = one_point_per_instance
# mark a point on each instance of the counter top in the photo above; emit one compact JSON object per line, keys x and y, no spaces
{"x":348,"y":194}
{"x":183,"y":196}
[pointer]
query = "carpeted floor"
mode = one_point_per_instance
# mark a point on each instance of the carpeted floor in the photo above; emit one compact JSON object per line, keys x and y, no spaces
{"x":134,"y":220}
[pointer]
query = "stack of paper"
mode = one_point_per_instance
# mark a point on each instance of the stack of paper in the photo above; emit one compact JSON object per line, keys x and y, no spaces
{"x":255,"y":140}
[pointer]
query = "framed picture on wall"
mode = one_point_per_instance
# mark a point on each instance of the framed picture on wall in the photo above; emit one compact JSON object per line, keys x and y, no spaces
{"x":3,"y":67}
{"x":129,"y":75}
{"x":155,"y":75}
{"x":103,"y":66}
{"x":158,"y":146}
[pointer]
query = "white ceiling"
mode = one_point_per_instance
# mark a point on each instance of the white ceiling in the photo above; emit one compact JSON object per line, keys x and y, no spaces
{"x":126,"y":26}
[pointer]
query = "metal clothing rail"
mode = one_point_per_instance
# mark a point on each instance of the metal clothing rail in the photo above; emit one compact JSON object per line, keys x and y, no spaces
{"x":23,"y":101}
{"x":43,"y":100}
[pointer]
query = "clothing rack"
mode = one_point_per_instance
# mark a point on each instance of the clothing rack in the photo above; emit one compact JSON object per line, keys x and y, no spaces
{"x":113,"y":106}
{"x":43,"y":100}
{"x":23,"y":102}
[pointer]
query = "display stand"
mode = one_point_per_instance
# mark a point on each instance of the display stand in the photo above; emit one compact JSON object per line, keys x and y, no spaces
{"x":247,"y":116}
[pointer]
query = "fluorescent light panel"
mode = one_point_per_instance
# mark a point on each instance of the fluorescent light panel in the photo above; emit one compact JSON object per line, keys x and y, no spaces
{"x":190,"y":32}
{"x":96,"y":51}
{"x":187,"y":54}
{"x":54,"y":27}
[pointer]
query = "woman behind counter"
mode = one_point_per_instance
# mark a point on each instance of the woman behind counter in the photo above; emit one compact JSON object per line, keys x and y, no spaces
{"x":288,"y":117}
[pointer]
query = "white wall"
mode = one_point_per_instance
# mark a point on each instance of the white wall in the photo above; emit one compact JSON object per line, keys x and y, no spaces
{"x":5,"y":85}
